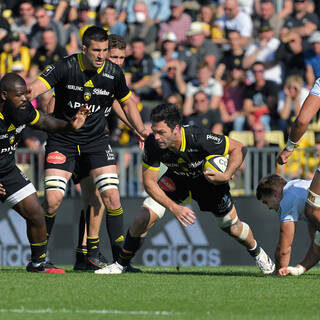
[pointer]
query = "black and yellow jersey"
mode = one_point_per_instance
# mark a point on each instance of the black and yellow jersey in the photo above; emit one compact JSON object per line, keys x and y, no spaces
{"x":74,"y":86}
{"x":196,"y":144}
{"x":10,"y":133}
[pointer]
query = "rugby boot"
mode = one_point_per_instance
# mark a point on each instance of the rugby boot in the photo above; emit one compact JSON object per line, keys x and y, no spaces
{"x":264,"y":263}
{"x":43,"y":267}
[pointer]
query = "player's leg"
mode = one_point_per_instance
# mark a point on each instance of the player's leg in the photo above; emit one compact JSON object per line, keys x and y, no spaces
{"x":106,"y":181}
{"x":312,"y":208}
{"x":21,"y":196}
{"x":149,"y":214}
{"x":55,"y":184}
{"x":94,"y":209}
{"x":241,"y":232}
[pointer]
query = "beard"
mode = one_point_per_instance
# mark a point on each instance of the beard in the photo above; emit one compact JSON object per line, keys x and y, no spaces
{"x":14,"y":114}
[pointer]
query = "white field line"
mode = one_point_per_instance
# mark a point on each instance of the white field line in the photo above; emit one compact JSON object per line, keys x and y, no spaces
{"x":102,"y":311}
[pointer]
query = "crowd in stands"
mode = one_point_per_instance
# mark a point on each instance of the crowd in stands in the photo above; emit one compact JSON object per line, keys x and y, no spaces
{"x":228,"y":64}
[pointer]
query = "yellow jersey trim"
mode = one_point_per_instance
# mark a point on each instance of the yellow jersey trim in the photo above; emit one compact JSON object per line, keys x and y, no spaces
{"x":183,"y":140}
{"x":126,"y":97}
{"x":1,"y":116}
{"x":45,"y":82}
{"x":146,"y":166}
{"x":82,"y":67}
{"x":226,"y":151}
{"x":35,"y":120}
{"x":78,"y":148}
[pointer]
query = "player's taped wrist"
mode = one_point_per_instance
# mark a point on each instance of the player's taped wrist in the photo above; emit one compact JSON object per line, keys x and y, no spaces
{"x":290,"y":146}
{"x":296,"y":271}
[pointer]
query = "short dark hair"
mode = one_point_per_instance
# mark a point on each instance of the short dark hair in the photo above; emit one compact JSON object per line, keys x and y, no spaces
{"x":167,"y":112}
{"x":9,"y":81}
{"x":137,"y":39}
{"x":268,"y":184}
{"x":116,"y":42}
{"x":260,"y":63}
{"x":94,"y":33}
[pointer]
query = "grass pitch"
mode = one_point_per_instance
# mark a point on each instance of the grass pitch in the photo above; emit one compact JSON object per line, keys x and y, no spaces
{"x":159,"y":293}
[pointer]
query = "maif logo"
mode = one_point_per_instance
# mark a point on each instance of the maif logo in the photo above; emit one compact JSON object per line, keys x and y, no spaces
{"x":179,"y":246}
{"x":14,"y":244}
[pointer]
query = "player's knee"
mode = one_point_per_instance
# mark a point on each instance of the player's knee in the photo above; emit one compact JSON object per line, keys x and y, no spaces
{"x":55,"y":183}
{"x":52,"y":202}
{"x":240,"y":230}
{"x":154,"y":206}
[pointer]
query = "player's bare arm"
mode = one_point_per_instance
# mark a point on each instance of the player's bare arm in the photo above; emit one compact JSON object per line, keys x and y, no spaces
{"x":237,"y":152}
{"x":133,"y":115}
{"x":51,"y":124}
{"x":36,"y":88}
{"x":299,"y":127}
{"x":283,"y":250}
{"x":183,"y":214}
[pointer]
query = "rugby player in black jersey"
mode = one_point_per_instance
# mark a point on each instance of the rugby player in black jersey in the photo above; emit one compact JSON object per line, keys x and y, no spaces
{"x":15,"y":113}
{"x":93,"y":208}
{"x":183,"y":149}
{"x":86,"y":77}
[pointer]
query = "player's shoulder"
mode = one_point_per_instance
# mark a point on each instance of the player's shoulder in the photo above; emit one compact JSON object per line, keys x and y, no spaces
{"x":110,"y":70}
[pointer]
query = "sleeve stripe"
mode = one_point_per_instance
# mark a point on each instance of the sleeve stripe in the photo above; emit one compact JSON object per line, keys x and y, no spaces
{"x":149,"y":167}
{"x":45,"y":82}
{"x":126,"y":97}
{"x":35,"y":120}
{"x":226,"y":151}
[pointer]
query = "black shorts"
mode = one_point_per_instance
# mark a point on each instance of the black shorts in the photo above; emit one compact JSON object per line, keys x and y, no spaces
{"x":210,"y":197}
{"x":17,"y":186}
{"x":81,"y":170}
{"x":65,"y":156}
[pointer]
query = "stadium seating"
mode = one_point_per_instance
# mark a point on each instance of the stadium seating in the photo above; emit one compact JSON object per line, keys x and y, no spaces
{"x":275,"y":137}
{"x":245,"y":137}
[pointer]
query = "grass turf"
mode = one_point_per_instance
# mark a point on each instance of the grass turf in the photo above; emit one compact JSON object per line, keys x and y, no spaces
{"x":159,"y":293}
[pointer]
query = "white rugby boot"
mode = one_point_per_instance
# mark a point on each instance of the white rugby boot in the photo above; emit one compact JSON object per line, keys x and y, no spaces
{"x":114,"y":268}
{"x":264,"y":263}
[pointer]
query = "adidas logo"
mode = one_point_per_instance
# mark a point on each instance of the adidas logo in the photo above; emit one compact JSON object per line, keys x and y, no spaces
{"x":179,"y":246}
{"x":14,"y":244}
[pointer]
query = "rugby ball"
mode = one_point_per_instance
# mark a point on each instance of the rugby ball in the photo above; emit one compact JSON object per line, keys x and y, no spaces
{"x":215,"y":162}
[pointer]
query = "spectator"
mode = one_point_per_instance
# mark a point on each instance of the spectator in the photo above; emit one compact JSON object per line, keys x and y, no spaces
{"x":159,"y":10}
{"x":301,"y":22}
{"x":143,"y":27}
{"x":179,"y":22}
{"x":204,"y":82}
{"x":138,"y":68}
{"x":268,"y":13}
{"x":175,"y":98}
{"x":56,"y":9}
{"x":264,"y":50}
{"x":4,"y":31}
{"x":44,"y":22}
{"x":290,"y":101}
{"x":244,"y":5}
{"x":207,"y":17}
{"x":121,"y":8}
{"x":234,"y":19}
{"x":231,"y":58}
{"x":16,"y":58}
{"x":109,"y":21}
{"x":291,"y":56}
{"x":49,"y":53}
{"x":172,"y":79}
{"x":203,"y":115}
{"x":231,"y":105}
{"x":25,"y":22}
{"x":199,"y":49}
{"x":260,"y":102}
{"x":312,"y":59}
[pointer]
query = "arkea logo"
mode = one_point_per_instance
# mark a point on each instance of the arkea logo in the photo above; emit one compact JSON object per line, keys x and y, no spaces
{"x":181,"y":246}
{"x":14,"y":244}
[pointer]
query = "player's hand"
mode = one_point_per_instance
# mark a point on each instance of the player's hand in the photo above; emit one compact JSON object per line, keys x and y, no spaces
{"x":2,"y":190}
{"x":216,"y":177}
{"x":142,"y":136}
{"x":282,"y":272}
{"x":184,"y":215}
{"x":80,"y":117}
{"x":284,"y":156}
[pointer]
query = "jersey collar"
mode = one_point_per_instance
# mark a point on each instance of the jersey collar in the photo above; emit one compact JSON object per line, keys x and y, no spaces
{"x":183,"y":140}
{"x":82,"y":67}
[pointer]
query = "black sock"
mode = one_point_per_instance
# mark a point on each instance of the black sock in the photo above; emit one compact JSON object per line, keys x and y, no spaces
{"x":93,"y":247}
{"x":81,"y":253}
{"x":114,"y":223}
{"x":254,"y":251}
{"x":50,"y":218}
{"x":132,"y":244}
{"x":38,"y":251}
